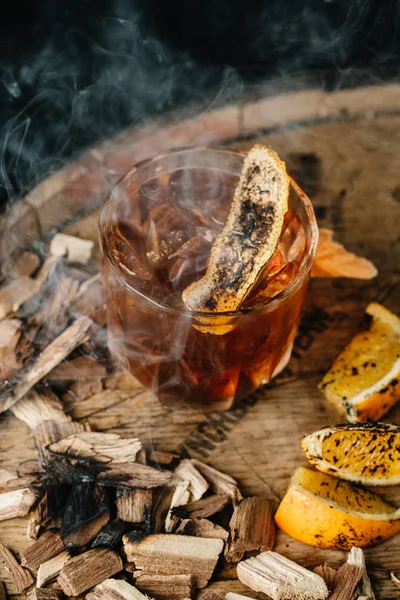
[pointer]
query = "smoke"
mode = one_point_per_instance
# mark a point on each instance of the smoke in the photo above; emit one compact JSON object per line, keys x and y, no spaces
{"x":85,"y":81}
{"x":78,"y":73}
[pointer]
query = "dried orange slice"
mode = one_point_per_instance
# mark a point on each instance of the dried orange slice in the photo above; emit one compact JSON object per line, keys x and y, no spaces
{"x":323,"y":511}
{"x":249,"y":237}
{"x":333,"y":260}
{"x":364,"y":380}
{"x":367,"y":453}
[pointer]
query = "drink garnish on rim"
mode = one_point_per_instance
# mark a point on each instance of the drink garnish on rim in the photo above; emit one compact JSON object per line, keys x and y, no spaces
{"x":249,"y":237}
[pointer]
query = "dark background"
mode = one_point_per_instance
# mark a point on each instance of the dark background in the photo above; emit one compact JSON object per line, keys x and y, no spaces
{"x":73,"y":72}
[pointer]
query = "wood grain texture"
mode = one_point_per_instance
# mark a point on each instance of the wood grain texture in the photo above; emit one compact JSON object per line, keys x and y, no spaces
{"x":349,"y":165}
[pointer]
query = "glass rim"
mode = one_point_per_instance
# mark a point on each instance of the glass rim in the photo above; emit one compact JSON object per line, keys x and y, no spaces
{"x":270,"y":303}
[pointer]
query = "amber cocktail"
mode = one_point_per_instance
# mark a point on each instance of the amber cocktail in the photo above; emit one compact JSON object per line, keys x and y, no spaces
{"x":157,"y":229}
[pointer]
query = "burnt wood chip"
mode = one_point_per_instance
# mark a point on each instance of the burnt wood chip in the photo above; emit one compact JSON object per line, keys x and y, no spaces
{"x":205,"y":507}
{"x":52,"y":431}
{"x":251,"y":527}
{"x":111,"y":535}
{"x":48,"y":545}
{"x":106,"y":459}
{"x":202,"y":528}
{"x":134,"y":506}
{"x":87,"y":512}
{"x":162,"y":498}
{"x":50,"y":506}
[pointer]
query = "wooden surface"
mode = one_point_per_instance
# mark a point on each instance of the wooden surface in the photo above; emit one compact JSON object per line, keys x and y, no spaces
{"x":342,"y":147}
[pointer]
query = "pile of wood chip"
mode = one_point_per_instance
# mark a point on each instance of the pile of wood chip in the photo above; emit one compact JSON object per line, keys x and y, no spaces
{"x":111,"y":519}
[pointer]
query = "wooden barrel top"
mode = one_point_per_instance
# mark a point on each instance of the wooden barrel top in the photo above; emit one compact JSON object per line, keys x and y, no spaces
{"x":343,"y":148}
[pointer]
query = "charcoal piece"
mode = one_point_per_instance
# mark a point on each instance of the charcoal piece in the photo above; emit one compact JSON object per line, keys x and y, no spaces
{"x":111,"y":535}
{"x":87,"y":512}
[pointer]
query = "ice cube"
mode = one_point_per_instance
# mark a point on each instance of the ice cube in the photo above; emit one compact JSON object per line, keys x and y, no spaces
{"x":189,"y":262}
{"x":292,"y":242}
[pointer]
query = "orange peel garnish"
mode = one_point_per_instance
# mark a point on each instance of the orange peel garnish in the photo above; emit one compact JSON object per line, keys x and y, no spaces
{"x":333,"y":260}
{"x":249,"y":237}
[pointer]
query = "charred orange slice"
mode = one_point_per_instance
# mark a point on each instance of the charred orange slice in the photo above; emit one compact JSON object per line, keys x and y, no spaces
{"x":367,"y":453}
{"x":249,"y":237}
{"x":364,"y":380}
{"x":323,"y":511}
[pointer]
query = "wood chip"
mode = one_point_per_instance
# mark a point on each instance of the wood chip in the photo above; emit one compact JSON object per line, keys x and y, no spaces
{"x":209,"y":595}
{"x":87,"y":511}
{"x":205,"y":507}
{"x":48,"y":432}
{"x":26,"y":264}
{"x":90,"y":298}
{"x":186,"y":471}
{"x":172,"y":554}
{"x":105,"y":448}
{"x":395,"y":579}
{"x":180,"y":497}
{"x":76,"y":250}
{"x":48,"y":545}
{"x":80,"y":368}
{"x":50,"y":569}
{"x":251,"y":527}
{"x":134,"y":506}
{"x":18,"y":503}
{"x":281,"y":578}
{"x":220,"y":483}
{"x":41,"y":594}
{"x":21,"y":577}
{"x":163,"y":459}
{"x":163,"y":587}
{"x":162,"y":499}
{"x":39,"y":406}
{"x":2,"y":592}
{"x":115,"y":589}
{"x":10,"y":334}
{"x":111,"y":535}
{"x":10,"y":331}
{"x":233,"y":596}
{"x":17,"y":292}
{"x":202,"y":528}
{"x":80,"y":390}
{"x":88,"y":569}
{"x":105,"y":458}
{"x":328,"y":575}
{"x":347,"y":578}
{"x":24,"y":380}
{"x":53,"y":314}
{"x":333,"y":260}
{"x":356,"y":557}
